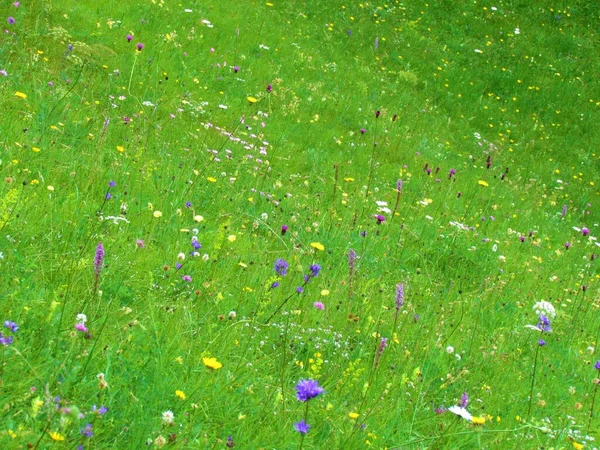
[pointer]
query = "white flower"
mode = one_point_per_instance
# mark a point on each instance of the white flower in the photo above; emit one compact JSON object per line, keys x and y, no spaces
{"x":168,"y":417}
{"x":545,"y":308}
{"x":495,"y":248}
{"x":232,"y":315}
{"x":462,"y":412}
{"x":181,"y":256}
{"x":264,"y":216}
{"x":205,"y":257}
{"x":81,"y":318}
{"x":517,"y":31}
{"x":379,"y":203}
{"x":450,"y":349}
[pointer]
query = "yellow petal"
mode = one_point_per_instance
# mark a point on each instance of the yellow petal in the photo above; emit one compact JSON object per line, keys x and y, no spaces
{"x":317,"y":245}
{"x":120,"y":148}
{"x":482,"y":183}
{"x":212,"y":363}
{"x":353,"y":415}
{"x":252,"y":100}
{"x":211,"y":179}
{"x":20,"y":94}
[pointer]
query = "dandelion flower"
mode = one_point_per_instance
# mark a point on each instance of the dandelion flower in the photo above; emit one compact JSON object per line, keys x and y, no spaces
{"x":212,"y":363}
{"x":180,"y":394}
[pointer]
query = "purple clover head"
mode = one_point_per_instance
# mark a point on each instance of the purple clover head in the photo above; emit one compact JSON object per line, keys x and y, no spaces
{"x":139,"y":46}
{"x":307,"y":389}
{"x":301,"y":427}
{"x":585,"y":231}
{"x":269,"y":88}
{"x":129,"y":38}
{"x":281,"y":267}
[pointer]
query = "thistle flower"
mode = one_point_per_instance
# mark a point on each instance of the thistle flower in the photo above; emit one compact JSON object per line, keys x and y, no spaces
{"x":380,"y":219}
{"x":284,"y":229}
{"x":129,"y":38}
{"x":139,"y":46}
{"x":269,"y":88}
{"x":307,"y":389}
{"x":585,"y":231}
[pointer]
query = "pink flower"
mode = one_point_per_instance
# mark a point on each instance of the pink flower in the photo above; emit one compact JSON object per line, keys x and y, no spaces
{"x":81,"y":327}
{"x":186,"y":278}
{"x":319,"y":305}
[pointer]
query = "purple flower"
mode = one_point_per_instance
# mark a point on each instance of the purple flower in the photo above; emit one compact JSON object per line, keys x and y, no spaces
{"x":108,"y":196}
{"x":230,"y":443}
{"x":363,"y":130}
{"x":564,"y":211}
{"x":236,"y":69}
{"x":544,"y":324}
{"x":112,"y":184}
{"x":301,"y":427}
{"x":377,"y":114}
{"x":11,"y":20}
{"x":585,"y":231}
{"x":314,"y":270}
{"x":597,"y":365}
{"x":269,"y":88}
{"x":399,"y":186}
{"x":186,"y":278}
{"x":129,"y":38}
{"x":6,"y":340}
{"x":299,"y":289}
{"x":99,"y":258}
{"x":351,"y":259}
{"x":139,"y":46}
{"x":197,"y":245}
{"x":275,"y":284}
{"x":380,"y":218}
{"x":399,"y":295}
{"x":307,"y":389}
{"x":464,"y":400}
{"x":541,"y":342}
{"x":188,"y":205}
{"x":11,"y":326}
{"x":284,"y":229}
{"x":140,"y":243}
{"x":451,"y":173}
{"x":81,"y":327}
{"x":281,"y":267}
{"x":382,"y":345}
{"x":319,"y":305}
{"x":567,"y":245}
{"x":87,"y":431}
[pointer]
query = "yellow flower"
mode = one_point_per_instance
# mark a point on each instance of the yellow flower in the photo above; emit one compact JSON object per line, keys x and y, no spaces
{"x":56,"y":436}
{"x":252,"y":100}
{"x":180,"y":394}
{"x":20,"y":95}
{"x":157,"y":214}
{"x":325,"y":292}
{"x":51,"y":188}
{"x":353,"y":415}
{"x":198,"y":218}
{"x":231,"y":238}
{"x":349,"y":179}
{"x":317,"y":245}
{"x":482,"y":183}
{"x":577,"y":445}
{"x":35,"y":149}
{"x":211,"y":179}
{"x":120,"y":148}
{"x":212,"y":363}
{"x":478,"y":420}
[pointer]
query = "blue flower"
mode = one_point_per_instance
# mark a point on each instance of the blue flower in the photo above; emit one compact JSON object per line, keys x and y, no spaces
{"x":307,"y":389}
{"x":301,"y":427}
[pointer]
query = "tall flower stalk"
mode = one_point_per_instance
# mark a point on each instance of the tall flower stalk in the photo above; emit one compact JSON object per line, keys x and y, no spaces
{"x":98,"y":264}
{"x":351,"y":262}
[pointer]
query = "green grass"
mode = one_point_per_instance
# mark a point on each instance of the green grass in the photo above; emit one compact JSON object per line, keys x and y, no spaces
{"x":504,"y":93}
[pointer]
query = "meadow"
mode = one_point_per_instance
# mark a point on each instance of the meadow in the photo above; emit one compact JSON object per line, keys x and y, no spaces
{"x":299,"y":224}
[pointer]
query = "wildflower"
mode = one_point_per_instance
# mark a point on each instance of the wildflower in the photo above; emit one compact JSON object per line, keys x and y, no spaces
{"x":353,"y":415}
{"x":56,"y":436}
{"x":307,"y":389}
{"x":284,"y":229}
{"x":87,"y":431}
{"x":377,"y":114}
{"x":451,"y":173}
{"x":317,"y":245}
{"x":212,"y":363}
{"x":281,"y":267}
{"x":11,"y":20}
{"x":478,"y":420}
{"x":230,"y":443}
{"x":13,"y":327}
{"x":301,"y":427}
{"x":319,"y":305}
{"x":232,"y":315}
{"x":98,"y":259}
{"x":564,"y":211}
{"x":157,"y":214}
{"x":299,"y":289}
{"x":314,"y":270}
{"x":399,"y":295}
{"x":275,"y":284}
{"x":140,"y":243}
{"x":363,"y":130}
{"x":102,"y":384}
{"x":129,"y":38}
{"x":597,"y":365}
{"x":541,"y":342}
{"x":464,"y":400}
{"x":160,"y":441}
{"x":186,"y":278}
{"x":81,"y":327}
{"x":546,"y":308}
{"x":139,"y":46}
{"x":585,"y":231}
{"x":168,"y":417}
{"x":269,"y":88}
{"x":567,"y":245}
{"x":236,"y":69}
{"x":380,"y":219}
